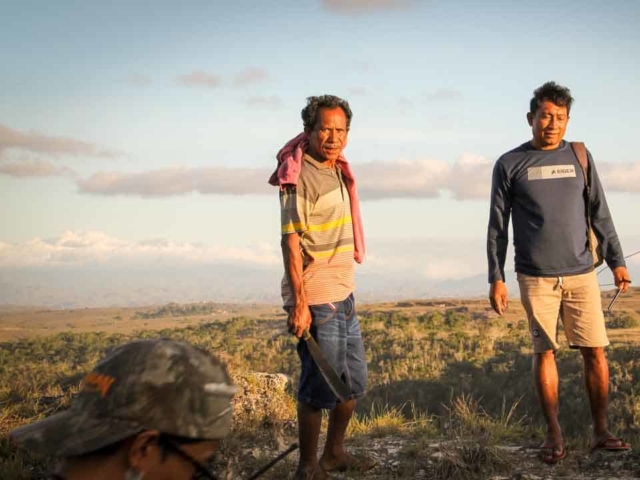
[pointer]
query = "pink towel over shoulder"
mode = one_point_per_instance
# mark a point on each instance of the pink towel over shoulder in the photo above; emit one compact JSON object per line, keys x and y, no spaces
{"x":288,"y":170}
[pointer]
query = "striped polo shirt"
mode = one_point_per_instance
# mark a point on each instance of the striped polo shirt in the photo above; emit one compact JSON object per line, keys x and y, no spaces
{"x":319,"y":210}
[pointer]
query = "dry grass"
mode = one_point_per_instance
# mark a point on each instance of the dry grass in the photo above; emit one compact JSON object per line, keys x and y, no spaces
{"x":468,"y":445}
{"x":384,"y":420}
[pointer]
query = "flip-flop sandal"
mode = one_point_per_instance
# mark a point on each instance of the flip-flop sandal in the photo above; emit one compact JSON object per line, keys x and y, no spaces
{"x":610,"y":444}
{"x":359,"y":463}
{"x":554,"y":454}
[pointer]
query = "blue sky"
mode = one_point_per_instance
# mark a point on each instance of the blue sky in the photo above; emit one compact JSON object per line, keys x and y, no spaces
{"x":146,"y":132}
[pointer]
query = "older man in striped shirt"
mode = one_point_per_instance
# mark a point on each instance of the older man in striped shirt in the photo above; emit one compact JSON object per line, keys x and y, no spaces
{"x":319,"y":223}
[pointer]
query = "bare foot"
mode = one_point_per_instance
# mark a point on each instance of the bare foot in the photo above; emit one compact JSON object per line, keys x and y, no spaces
{"x":347,"y":461}
{"x":314,"y":473}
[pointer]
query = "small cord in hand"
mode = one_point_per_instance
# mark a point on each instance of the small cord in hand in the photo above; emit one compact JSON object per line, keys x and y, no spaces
{"x":628,"y":256}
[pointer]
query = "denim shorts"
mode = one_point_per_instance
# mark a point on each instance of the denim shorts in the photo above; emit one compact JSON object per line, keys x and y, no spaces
{"x":336,"y":328}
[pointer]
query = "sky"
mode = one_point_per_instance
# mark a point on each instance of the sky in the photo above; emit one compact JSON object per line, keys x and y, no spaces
{"x":138,"y":134}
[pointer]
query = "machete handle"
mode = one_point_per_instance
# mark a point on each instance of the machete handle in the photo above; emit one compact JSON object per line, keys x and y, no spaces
{"x":614,"y":299}
{"x":306,"y":335}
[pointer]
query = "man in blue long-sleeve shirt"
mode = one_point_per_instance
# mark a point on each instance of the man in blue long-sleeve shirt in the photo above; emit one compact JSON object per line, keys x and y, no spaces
{"x":541,"y":185}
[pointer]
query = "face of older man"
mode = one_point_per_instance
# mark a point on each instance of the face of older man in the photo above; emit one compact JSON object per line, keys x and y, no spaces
{"x":328,"y":137}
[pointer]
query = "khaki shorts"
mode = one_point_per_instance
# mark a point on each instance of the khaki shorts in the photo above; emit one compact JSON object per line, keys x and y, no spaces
{"x":575,"y":299}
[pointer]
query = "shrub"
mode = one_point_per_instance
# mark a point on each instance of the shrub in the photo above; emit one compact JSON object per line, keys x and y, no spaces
{"x":454,"y":319}
{"x":432,"y":320}
{"x":623,"y":320}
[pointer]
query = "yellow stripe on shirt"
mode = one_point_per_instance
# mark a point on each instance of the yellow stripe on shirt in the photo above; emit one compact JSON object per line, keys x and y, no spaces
{"x":322,"y":227}
{"x":335,"y":251}
{"x":292,"y":228}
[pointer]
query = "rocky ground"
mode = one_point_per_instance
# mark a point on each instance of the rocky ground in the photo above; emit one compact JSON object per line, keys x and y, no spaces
{"x":514,"y":462}
{"x":404,"y":456}
{"x":508,"y":462}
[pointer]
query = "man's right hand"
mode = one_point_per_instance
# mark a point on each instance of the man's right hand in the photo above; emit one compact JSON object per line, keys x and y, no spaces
{"x":299,"y":320}
{"x":498,"y":297}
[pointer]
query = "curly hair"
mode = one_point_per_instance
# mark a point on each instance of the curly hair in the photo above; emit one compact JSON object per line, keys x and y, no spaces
{"x":310,"y":113}
{"x":551,"y":92}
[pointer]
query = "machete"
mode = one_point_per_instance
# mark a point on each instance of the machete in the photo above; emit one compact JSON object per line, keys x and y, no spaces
{"x":335,"y":382}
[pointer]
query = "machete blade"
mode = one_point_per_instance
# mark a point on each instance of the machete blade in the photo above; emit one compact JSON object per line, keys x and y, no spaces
{"x":335,"y":382}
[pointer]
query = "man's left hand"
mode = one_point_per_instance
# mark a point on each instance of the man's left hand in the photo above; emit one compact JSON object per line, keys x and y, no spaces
{"x":621,"y":278}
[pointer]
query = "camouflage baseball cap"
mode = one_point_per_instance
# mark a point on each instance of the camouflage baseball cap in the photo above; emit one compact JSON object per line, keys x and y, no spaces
{"x":160,"y":385}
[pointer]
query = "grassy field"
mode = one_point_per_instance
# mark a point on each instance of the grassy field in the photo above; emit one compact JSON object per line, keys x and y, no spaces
{"x":450,"y":383}
{"x":16,"y":323}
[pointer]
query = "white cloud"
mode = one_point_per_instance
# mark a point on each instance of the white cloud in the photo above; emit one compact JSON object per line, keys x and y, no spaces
{"x":620,"y":177}
{"x":427,"y":258}
{"x":39,"y":143}
{"x":450,"y":269}
{"x":358,"y":7}
{"x":93,"y":268}
{"x":78,"y":269}
{"x":199,"y":78}
{"x":402,"y":178}
{"x":250,"y":76}
{"x":467,"y":179}
{"x":76,"y":248}
{"x":33,"y":168}
{"x":179,"y":181}
{"x":22,"y":153}
{"x":470,"y":178}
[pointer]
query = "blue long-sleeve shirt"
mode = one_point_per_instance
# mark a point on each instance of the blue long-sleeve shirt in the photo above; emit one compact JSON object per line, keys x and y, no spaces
{"x":543,"y":190}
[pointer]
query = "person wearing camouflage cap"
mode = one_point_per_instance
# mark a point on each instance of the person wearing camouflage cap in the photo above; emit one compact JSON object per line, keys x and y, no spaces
{"x":152,"y":409}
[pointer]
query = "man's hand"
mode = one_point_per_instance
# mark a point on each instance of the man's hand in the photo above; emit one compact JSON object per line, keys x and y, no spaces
{"x":498,"y":296}
{"x":299,"y":320}
{"x":300,"y":316}
{"x":621,"y":278}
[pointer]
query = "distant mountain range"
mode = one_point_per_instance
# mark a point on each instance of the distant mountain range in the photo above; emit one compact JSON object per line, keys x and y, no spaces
{"x":74,"y":287}
{"x":414,"y":268}
{"x":56,"y":287}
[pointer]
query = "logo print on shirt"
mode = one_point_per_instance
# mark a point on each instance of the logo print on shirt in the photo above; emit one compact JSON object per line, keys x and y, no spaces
{"x":551,"y":172}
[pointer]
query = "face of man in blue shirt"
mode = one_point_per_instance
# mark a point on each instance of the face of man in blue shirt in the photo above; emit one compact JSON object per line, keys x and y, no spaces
{"x":548,"y":124}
